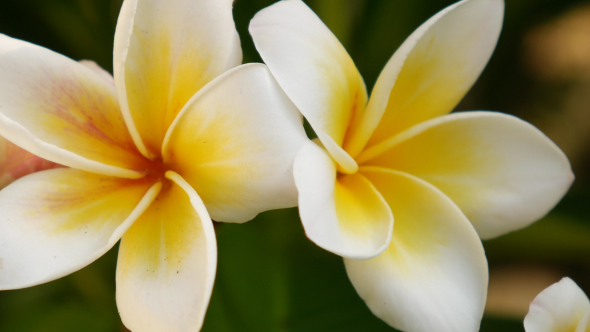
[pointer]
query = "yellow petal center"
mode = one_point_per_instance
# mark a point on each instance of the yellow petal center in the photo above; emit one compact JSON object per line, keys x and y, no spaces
{"x":155,"y":171}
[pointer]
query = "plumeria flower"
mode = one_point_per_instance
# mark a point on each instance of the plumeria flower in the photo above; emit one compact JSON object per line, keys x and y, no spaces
{"x":176,"y":138}
{"x":444,"y":178}
{"x":16,"y":163}
{"x":562,"y":307}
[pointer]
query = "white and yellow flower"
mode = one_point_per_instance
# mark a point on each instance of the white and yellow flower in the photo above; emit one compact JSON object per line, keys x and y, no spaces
{"x":562,"y":307}
{"x":445,"y":178}
{"x":176,"y":138}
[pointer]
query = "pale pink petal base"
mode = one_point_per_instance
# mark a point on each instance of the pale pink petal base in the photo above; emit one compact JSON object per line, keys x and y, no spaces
{"x":62,"y":111}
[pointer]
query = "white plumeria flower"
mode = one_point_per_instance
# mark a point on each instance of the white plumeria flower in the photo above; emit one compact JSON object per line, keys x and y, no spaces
{"x":174,"y":140}
{"x":16,"y":163}
{"x":399,"y":154}
{"x":562,"y":307}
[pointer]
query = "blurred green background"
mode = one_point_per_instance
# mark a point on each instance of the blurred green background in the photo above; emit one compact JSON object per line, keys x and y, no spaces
{"x":270,"y":277}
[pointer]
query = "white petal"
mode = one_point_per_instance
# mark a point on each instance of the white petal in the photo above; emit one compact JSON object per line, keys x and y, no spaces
{"x":311,"y":66}
{"x":167,"y":263}
{"x":344,"y":215}
{"x":433,"y":276}
{"x":431,"y":71}
{"x":584,"y":325}
{"x":56,"y":222}
{"x":99,"y":70}
{"x":501,"y":171}
{"x":235,"y":143}
{"x":165,"y":51}
{"x":344,"y":162}
{"x":60,"y":110}
{"x":561,"y":307}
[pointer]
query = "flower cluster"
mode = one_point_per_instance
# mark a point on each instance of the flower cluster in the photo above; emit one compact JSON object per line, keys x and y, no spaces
{"x":183,"y":134}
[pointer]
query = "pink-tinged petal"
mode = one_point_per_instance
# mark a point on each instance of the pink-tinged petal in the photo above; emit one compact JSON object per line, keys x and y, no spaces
{"x":58,"y":221}
{"x":501,"y":171}
{"x":312,"y":67}
{"x":562,"y":307}
{"x":167,"y":263}
{"x":16,"y":163}
{"x":235,"y":143}
{"x":343,"y":214}
{"x":166,"y":51}
{"x":432,"y":70}
{"x":62,"y":111}
{"x":433,"y":276}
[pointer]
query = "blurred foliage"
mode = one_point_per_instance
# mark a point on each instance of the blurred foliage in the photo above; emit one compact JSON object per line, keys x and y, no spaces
{"x":270,"y":277}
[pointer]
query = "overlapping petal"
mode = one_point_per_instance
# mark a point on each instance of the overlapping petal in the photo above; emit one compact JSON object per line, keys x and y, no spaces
{"x":62,"y":111}
{"x":432,"y":70}
{"x":57,"y":221}
{"x":99,"y":70}
{"x":502,"y":172}
{"x":16,"y":162}
{"x":311,"y":66}
{"x":235,"y":143}
{"x":346,"y":214}
{"x":584,"y":325}
{"x":167,"y":263}
{"x":563,"y":307}
{"x":165,"y":51}
{"x":433,"y":276}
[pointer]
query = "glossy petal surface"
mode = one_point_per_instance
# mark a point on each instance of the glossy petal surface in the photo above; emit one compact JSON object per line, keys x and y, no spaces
{"x":167,"y":263}
{"x":433,"y":276}
{"x":165,"y":51}
{"x":346,"y":214}
{"x":62,"y":111}
{"x":56,"y":222}
{"x":235,"y":143}
{"x":502,"y":172}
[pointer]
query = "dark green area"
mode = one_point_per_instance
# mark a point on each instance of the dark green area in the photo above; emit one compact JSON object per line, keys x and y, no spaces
{"x":270,"y":277}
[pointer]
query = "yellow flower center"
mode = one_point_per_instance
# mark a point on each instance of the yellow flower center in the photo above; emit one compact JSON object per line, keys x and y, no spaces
{"x":155,"y":171}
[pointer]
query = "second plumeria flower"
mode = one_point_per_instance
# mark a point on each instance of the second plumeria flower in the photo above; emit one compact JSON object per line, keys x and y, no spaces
{"x":178,"y":137}
{"x":445,"y":178}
